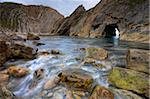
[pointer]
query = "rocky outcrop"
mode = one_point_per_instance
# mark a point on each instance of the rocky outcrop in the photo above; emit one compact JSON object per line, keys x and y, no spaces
{"x":65,"y":27}
{"x":28,"y":18}
{"x":128,"y":15}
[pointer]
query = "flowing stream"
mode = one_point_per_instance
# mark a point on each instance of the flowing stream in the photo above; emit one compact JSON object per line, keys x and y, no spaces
{"x":53,"y":64}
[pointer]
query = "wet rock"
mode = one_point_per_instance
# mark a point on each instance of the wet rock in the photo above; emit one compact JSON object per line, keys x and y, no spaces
{"x":76,"y":79}
{"x":22,"y":51}
{"x":124,"y":94}
{"x":38,"y":74}
{"x":17,"y":71}
{"x":138,"y":60}
{"x":32,"y":37}
{"x":4,"y":52}
{"x":100,"y":92}
{"x":69,"y":95}
{"x":51,"y":83}
{"x":5,"y":93}
{"x":37,"y":43}
{"x":55,"y":52}
{"x":50,"y":94}
{"x":96,"y":53}
{"x":130,"y":80}
{"x":43,"y":53}
{"x":74,"y":94}
{"x":89,"y":60}
{"x":4,"y":78}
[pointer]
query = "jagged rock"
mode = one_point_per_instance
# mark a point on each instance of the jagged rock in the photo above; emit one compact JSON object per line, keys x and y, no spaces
{"x":129,"y":80}
{"x":65,"y":26}
{"x":22,"y":18}
{"x":76,"y":79}
{"x":138,"y":60}
{"x":92,"y":23}
{"x":96,"y":53}
{"x":32,"y":37}
{"x":100,"y":92}
{"x":17,"y":71}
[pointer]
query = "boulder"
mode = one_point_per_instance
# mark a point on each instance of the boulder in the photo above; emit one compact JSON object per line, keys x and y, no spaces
{"x":17,"y":71}
{"x":55,"y":52}
{"x":32,"y":37}
{"x":76,"y":79}
{"x":22,"y":51}
{"x":51,"y":83}
{"x":129,"y":80}
{"x":138,"y":60}
{"x":100,"y":92}
{"x":38,"y":74}
{"x":96,"y":53}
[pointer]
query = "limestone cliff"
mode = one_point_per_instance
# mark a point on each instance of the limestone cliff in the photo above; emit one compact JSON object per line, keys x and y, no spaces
{"x":27,"y":18}
{"x":130,"y":16}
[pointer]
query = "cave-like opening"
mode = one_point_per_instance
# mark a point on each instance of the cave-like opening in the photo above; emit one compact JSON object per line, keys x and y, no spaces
{"x":111,"y":30}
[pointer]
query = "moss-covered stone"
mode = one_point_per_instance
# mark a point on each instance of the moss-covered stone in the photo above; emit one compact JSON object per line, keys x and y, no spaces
{"x":129,"y":80}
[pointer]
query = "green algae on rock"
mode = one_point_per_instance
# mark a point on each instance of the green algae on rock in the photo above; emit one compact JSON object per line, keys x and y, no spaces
{"x":129,"y":80}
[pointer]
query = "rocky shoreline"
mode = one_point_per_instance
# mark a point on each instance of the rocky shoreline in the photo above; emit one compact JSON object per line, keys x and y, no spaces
{"x":127,"y":80}
{"x":130,"y":81}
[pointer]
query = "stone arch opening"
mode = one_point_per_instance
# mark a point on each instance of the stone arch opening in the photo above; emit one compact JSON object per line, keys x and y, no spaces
{"x":111,"y":31}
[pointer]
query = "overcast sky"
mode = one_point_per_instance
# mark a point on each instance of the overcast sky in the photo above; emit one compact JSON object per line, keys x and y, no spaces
{"x":65,"y":7}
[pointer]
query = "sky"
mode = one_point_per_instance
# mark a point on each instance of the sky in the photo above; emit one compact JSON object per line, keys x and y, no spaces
{"x":65,"y":7}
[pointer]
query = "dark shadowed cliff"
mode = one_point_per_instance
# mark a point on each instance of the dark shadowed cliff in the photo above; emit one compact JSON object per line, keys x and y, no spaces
{"x":130,"y":16}
{"x":21,"y":18}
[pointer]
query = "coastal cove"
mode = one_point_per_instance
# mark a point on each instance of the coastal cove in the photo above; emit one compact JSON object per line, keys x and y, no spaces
{"x":72,"y":54}
{"x":99,"y":53}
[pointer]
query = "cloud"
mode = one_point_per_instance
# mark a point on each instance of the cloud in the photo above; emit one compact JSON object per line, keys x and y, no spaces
{"x":65,"y":7}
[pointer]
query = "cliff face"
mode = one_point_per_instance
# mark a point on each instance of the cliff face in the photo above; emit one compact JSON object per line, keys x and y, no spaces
{"x":128,"y":15}
{"x":20,"y":18}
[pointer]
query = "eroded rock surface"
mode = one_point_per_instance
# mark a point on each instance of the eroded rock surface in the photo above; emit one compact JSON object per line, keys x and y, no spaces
{"x":28,"y":18}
